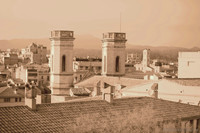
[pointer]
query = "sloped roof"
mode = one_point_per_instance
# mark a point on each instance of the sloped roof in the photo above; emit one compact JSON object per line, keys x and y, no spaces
{"x":167,"y":89}
{"x":9,"y":92}
{"x":18,"y":81}
{"x":88,"y":75}
{"x":187,"y":82}
{"x":3,"y":88}
{"x":112,"y":81}
{"x":79,"y":92}
{"x":43,"y":90}
{"x":2,"y":84}
{"x":59,"y":117}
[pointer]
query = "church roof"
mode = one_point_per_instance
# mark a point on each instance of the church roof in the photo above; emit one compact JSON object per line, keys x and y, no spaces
{"x":112,"y":81}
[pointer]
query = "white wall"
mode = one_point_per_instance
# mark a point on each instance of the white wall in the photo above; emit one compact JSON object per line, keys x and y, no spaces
{"x":189,"y":65}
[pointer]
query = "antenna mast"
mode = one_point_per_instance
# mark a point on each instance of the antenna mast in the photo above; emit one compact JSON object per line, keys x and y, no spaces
{"x":120,"y":21}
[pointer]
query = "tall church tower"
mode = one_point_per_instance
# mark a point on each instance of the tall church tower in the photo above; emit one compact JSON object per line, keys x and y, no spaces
{"x":113,"y":54}
{"x":146,"y":58}
{"x":61,"y":61}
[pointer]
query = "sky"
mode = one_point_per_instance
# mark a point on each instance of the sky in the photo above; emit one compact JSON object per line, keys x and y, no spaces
{"x":146,"y":22}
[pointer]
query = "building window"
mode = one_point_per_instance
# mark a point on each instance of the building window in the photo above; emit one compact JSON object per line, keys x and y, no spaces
{"x":20,"y":99}
{"x":63,"y":63}
{"x":6,"y":99}
{"x":117,"y":64}
{"x":198,"y":125}
{"x":32,"y":74}
{"x":41,"y":77}
{"x":47,"y":78}
{"x":191,"y":125}
{"x":16,"y":99}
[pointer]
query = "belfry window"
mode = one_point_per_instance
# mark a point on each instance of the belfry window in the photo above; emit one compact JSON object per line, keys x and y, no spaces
{"x":63,"y":63}
{"x":117,"y":64}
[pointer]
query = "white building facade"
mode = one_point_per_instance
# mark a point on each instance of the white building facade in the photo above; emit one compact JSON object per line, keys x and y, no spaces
{"x":189,"y":65}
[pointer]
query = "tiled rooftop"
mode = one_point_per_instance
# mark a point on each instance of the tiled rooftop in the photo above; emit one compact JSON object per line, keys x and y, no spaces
{"x":59,"y":117}
{"x":7,"y":92}
{"x":79,"y":92}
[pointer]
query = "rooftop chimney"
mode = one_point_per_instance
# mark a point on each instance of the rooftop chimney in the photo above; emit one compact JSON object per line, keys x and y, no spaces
{"x":118,"y":90}
{"x":153,"y":92}
{"x":108,"y":94}
{"x":30,"y":95}
{"x":97,"y":88}
{"x":15,"y":89}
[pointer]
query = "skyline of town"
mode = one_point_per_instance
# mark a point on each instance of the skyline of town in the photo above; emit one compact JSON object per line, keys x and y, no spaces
{"x":117,"y":83}
{"x":100,"y":66}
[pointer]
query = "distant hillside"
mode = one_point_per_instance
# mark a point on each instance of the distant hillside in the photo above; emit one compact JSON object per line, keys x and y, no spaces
{"x":92,"y":47}
{"x":22,"y":43}
{"x":81,"y":41}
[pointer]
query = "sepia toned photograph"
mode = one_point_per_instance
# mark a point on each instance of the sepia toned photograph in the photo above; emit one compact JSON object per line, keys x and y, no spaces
{"x":99,"y":66}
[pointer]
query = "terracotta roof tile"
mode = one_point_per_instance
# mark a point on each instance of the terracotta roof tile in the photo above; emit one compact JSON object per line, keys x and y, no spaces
{"x":79,"y":92}
{"x":9,"y":92}
{"x":57,"y":117}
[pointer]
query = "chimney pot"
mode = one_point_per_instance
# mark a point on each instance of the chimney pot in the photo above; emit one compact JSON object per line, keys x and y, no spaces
{"x":15,"y":91}
{"x":97,"y":88}
{"x":153,"y":92}
{"x":108,"y":94}
{"x":30,"y":95}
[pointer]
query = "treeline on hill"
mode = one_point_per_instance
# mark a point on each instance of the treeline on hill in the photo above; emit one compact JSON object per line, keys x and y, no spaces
{"x":162,"y":53}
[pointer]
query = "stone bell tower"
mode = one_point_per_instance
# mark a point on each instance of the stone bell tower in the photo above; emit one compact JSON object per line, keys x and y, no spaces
{"x":113,"y":54}
{"x":61,"y":61}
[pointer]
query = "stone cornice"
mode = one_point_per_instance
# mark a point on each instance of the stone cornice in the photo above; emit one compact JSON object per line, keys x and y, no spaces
{"x":114,"y":40}
{"x":61,"y":39}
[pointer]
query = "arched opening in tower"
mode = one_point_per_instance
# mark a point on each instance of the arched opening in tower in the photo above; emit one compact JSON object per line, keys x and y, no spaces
{"x":117,"y":64}
{"x":63,"y":63}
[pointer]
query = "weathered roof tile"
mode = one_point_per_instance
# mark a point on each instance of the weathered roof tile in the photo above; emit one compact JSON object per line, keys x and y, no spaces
{"x":57,"y":117}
